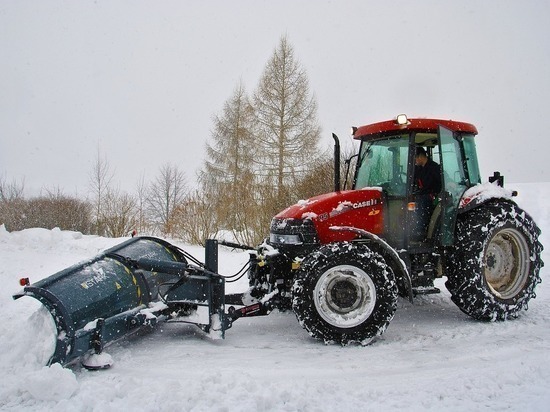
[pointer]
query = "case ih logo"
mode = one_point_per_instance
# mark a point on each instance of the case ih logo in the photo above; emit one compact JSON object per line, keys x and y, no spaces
{"x":346,"y":206}
{"x":366,"y":203}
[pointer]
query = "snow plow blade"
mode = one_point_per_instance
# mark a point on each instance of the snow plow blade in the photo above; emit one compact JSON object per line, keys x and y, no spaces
{"x":130,"y":285}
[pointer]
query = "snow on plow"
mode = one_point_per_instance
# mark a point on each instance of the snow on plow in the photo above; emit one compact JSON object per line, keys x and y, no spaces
{"x":124,"y":288}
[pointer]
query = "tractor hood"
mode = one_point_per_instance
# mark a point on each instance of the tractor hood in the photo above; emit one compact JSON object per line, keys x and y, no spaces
{"x":356,"y":208}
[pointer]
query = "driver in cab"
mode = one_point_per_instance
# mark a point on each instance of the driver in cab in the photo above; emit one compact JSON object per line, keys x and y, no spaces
{"x":427,"y":182}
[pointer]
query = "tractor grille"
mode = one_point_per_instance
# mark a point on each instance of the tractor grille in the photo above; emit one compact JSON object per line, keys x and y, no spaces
{"x":292,"y":233}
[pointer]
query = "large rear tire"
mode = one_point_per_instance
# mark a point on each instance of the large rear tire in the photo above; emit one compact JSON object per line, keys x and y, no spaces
{"x":344,"y":293}
{"x":494,"y":266}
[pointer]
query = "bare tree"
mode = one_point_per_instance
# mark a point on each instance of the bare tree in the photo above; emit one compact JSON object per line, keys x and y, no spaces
{"x":194,"y":219}
{"x":286,"y":115}
{"x":11,"y":190}
{"x":141,"y":205}
{"x":166,"y":192}
{"x":320,"y":178}
{"x":119,"y":213}
{"x":100,"y":180}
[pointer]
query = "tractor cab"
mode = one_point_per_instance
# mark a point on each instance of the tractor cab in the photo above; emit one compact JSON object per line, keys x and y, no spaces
{"x":387,"y":159}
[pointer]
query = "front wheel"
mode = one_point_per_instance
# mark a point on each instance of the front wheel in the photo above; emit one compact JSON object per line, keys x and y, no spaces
{"x":495,"y":264}
{"x":344,"y":293}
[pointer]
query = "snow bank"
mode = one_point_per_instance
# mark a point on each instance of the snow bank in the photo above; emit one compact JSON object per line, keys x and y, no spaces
{"x":53,"y":383}
{"x":431,"y":357}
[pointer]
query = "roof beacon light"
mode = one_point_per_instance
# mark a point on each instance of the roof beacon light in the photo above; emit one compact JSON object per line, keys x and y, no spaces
{"x":401,"y":119}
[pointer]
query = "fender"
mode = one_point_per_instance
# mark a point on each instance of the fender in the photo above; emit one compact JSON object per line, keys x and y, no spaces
{"x":479,"y":194}
{"x":388,"y":253}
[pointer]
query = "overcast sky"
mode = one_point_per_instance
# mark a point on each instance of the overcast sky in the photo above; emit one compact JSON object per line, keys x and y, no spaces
{"x":140,"y":81}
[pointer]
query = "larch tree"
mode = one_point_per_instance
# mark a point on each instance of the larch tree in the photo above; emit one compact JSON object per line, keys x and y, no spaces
{"x":286,"y":118}
{"x":228,"y":174}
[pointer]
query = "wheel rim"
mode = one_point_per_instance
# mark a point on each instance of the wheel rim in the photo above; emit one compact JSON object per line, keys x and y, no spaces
{"x":345,"y":296}
{"x":507,"y":263}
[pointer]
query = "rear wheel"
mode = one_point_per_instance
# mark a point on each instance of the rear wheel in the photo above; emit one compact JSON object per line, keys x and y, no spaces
{"x":344,"y":293}
{"x":495,"y":264}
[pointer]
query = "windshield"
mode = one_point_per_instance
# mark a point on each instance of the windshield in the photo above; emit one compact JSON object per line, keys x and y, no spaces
{"x":383,"y":163}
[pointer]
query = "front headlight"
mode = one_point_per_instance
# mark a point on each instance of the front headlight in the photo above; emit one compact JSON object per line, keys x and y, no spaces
{"x":285,"y":239}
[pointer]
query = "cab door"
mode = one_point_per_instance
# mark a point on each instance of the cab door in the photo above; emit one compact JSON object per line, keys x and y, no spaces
{"x":454,"y":183}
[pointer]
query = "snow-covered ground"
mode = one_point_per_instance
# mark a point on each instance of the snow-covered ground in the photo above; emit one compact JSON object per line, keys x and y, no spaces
{"x":432,"y":357}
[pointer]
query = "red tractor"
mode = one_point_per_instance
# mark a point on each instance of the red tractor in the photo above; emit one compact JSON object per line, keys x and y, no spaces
{"x":340,"y":260}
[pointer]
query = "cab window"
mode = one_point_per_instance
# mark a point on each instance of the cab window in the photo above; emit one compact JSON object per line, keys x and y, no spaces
{"x":471,"y":159}
{"x":383,"y":163}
